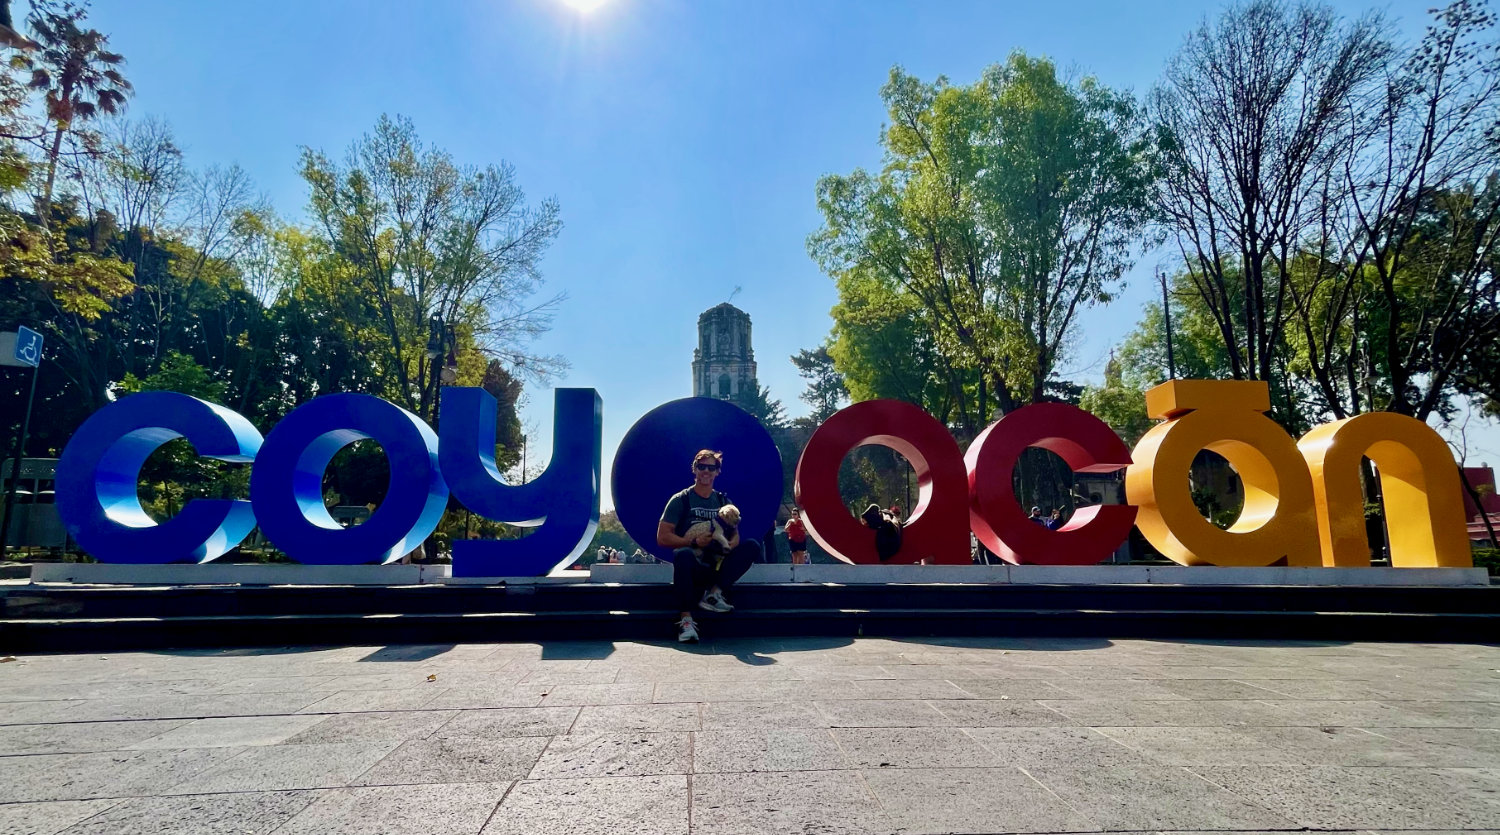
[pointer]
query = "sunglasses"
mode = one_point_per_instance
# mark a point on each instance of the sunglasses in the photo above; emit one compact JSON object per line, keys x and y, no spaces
{"x":707,"y":468}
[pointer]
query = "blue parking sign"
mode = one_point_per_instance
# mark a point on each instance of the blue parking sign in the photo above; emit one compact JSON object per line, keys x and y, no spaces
{"x":28,"y":346}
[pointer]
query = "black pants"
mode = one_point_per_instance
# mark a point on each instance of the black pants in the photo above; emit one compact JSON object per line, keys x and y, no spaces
{"x":690,"y":578}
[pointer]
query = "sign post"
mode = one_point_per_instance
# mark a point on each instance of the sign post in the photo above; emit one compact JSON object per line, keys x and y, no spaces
{"x":25,"y":349}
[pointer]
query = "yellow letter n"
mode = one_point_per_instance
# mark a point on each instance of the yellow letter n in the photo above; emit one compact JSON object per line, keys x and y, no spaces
{"x":1418,"y":481}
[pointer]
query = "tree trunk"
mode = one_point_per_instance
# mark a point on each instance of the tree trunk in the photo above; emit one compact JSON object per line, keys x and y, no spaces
{"x":44,"y":209}
{"x":1484,"y":517}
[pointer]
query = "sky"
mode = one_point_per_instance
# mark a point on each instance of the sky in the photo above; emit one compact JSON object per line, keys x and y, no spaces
{"x":683,"y":139}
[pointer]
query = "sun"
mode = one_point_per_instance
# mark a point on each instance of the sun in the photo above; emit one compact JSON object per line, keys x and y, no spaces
{"x":583,"y":6}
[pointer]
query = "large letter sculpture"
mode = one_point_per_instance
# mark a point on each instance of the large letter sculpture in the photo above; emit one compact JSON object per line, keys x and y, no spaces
{"x":1419,"y":483}
{"x":1279,"y":520}
{"x":937,"y":528}
{"x":96,"y":480}
{"x":655,"y":460}
{"x":1087,"y":444}
{"x":286,"y":485}
{"x":563,"y":501}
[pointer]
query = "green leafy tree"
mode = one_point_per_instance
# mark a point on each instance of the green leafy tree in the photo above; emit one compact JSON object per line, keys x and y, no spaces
{"x":825,"y":392}
{"x":1121,"y":406}
{"x":174,"y":473}
{"x":609,"y":534}
{"x":1002,"y":210}
{"x":427,"y":241}
{"x":772,"y":415}
{"x":882,"y":350}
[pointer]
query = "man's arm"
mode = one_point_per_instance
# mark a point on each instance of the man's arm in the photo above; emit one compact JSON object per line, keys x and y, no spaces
{"x":666,"y":530}
{"x":666,"y":537}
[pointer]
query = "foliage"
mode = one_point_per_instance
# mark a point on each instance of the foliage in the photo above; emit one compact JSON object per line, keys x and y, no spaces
{"x":178,"y":373}
{"x":430,"y":244}
{"x":826,"y":392}
{"x":1003,"y":208}
{"x":785,"y":434}
{"x":1121,"y":406}
{"x":1488,"y":558}
{"x":1333,"y":200}
{"x":174,"y":473}
{"x":79,"y":78}
{"x":609,"y":534}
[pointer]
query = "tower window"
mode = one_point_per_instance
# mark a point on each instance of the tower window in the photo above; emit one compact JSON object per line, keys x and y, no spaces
{"x":724,"y":385}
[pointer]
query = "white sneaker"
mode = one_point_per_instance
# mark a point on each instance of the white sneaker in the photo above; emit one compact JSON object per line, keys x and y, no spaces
{"x":687,"y":631}
{"x":715,"y":602}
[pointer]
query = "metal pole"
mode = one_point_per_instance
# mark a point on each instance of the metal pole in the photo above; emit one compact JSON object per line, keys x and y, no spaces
{"x":15,"y":464}
{"x":1166,"y":311}
{"x":907,"y":467}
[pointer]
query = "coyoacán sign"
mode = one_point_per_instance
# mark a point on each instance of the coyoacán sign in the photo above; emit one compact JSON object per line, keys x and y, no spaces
{"x":1303,"y":503}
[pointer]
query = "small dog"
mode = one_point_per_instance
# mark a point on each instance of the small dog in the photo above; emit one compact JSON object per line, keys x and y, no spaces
{"x":721,"y":528}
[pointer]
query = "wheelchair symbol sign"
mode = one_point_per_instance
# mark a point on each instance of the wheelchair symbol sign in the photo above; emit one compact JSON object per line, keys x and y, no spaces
{"x":28,"y":346}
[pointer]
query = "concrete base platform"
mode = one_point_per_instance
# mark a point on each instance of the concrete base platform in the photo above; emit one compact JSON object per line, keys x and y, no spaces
{"x":211,"y":574}
{"x":1175,"y":575}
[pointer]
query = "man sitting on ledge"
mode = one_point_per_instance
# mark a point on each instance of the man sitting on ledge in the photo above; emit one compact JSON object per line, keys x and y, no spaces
{"x":701,"y":570}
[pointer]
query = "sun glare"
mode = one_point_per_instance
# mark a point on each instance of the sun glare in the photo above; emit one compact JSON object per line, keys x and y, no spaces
{"x":583,"y":6}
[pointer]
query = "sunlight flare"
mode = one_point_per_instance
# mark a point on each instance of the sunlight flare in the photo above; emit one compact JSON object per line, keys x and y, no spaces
{"x":583,"y":7}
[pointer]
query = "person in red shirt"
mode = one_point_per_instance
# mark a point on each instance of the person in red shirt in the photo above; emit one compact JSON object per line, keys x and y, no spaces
{"x":796,"y":538}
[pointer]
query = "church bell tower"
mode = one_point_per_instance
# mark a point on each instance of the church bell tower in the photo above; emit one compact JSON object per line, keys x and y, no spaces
{"x":723,"y":362}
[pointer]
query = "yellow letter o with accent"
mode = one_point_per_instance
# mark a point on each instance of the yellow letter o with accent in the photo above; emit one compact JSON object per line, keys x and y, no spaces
{"x":1419,"y":483}
{"x":1278,"y":522}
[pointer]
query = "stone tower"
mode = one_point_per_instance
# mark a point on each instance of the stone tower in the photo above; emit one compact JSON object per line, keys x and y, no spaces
{"x":723,"y":363}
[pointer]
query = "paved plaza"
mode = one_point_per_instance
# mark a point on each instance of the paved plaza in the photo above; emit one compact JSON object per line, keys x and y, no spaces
{"x":755,"y":736}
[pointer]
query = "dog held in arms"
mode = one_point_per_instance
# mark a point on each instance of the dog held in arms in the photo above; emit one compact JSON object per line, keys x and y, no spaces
{"x":722,"y":527}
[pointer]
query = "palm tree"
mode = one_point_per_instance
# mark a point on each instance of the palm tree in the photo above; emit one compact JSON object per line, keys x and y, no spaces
{"x":81,"y":79}
{"x":8,"y":34}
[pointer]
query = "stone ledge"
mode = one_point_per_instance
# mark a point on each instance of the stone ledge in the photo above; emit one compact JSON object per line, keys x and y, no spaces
{"x":402,"y":575}
{"x":1176,"y":575}
{"x":211,"y":574}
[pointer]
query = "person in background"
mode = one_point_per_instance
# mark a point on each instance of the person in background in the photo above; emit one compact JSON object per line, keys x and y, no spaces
{"x":1036,"y":516}
{"x":796,"y":537}
{"x":700,"y":579}
{"x":1055,"y":520}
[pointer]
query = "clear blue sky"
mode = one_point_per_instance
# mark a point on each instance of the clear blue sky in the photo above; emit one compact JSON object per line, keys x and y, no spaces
{"x":683,"y":138}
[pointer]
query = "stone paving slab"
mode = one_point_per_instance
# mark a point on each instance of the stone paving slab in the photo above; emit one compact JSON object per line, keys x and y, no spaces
{"x":800,"y":735}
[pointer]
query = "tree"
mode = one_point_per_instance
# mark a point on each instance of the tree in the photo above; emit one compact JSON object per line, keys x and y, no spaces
{"x":881,"y":349}
{"x":1326,"y":191}
{"x":1003,"y":209}
{"x":825,"y":391}
{"x":78,"y":77}
{"x":175,"y":473}
{"x":428,"y":240}
{"x":609,"y":534}
{"x":1121,"y":406}
{"x":772,"y":415}
{"x":1248,"y":121}
{"x":137,"y":176}
{"x":1401,"y":291}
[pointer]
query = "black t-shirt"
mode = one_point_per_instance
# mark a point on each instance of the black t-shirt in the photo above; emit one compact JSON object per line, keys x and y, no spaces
{"x":698,"y":509}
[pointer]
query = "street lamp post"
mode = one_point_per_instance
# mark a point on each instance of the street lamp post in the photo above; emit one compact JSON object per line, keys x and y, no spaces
{"x":1166,"y":311}
{"x":441,"y":342}
{"x":23,"y":348}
